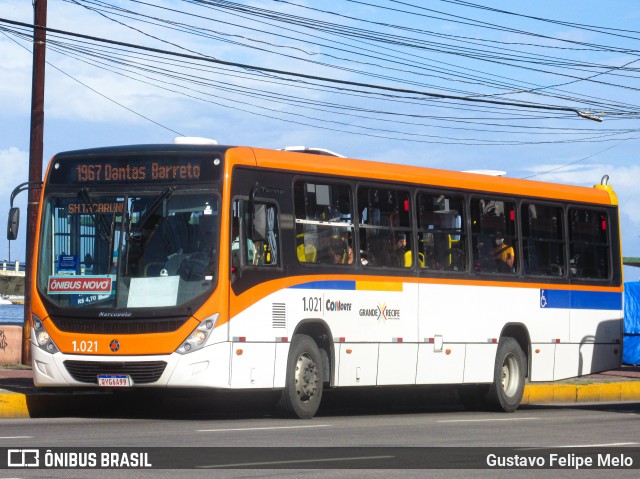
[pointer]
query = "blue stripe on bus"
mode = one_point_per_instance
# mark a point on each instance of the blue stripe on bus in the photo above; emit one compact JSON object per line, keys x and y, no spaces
{"x":565,"y":299}
{"x":549,"y":298}
{"x":331,"y":284}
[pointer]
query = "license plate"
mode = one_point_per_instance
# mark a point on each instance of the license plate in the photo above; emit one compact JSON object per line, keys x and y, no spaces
{"x":114,"y":381}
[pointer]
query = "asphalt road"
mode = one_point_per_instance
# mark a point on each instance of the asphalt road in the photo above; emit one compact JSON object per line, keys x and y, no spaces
{"x":184,"y":422}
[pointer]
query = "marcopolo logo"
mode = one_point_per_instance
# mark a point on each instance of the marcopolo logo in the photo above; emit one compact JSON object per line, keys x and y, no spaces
{"x":115,"y":314}
{"x":381,"y":312}
{"x":80,"y":285}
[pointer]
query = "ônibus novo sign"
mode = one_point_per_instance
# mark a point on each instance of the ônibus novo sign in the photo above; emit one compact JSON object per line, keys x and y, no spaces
{"x":80,"y":284}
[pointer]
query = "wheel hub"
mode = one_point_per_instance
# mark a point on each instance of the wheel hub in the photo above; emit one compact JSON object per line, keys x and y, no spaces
{"x":306,"y":378}
{"x":510,"y":375}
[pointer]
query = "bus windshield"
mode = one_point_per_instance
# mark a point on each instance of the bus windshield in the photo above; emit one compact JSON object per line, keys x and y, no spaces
{"x":114,"y":250}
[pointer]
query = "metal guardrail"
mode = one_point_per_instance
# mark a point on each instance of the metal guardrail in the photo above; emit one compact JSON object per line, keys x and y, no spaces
{"x":13,"y":266}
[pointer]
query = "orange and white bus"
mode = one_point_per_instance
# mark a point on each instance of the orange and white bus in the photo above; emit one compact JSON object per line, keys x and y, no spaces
{"x":224,"y":267}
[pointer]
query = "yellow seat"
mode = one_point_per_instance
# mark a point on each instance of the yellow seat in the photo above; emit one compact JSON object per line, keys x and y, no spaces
{"x":306,"y":253}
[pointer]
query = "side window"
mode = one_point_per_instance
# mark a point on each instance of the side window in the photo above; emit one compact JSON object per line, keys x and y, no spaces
{"x":267,"y":247}
{"x":494,"y":240}
{"x":588,"y":244}
{"x":324,"y":223}
{"x":247,"y":248}
{"x":243,"y":251}
{"x":441,"y":235}
{"x":543,"y":245}
{"x":385,"y":228}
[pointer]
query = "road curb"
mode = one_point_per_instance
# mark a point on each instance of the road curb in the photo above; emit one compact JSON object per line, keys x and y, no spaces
{"x":581,"y":393}
{"x":13,"y":406}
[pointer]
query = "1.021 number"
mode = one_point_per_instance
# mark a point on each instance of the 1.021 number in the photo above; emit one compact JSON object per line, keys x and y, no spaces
{"x":312,"y":303}
{"x":84,"y":346}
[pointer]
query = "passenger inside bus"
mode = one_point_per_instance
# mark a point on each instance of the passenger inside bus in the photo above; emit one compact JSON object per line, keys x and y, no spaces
{"x":338,"y":251}
{"x":402,"y":254}
{"x":503,"y":254}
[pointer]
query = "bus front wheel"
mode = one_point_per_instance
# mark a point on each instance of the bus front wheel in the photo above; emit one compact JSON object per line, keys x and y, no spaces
{"x":303,"y":385}
{"x":510,"y":369}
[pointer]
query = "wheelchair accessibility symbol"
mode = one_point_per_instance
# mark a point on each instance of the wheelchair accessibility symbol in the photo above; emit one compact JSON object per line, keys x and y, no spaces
{"x":543,"y":299}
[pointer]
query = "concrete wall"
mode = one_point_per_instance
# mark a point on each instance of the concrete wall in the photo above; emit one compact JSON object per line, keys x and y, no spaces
{"x":10,"y":344}
{"x":11,"y":286}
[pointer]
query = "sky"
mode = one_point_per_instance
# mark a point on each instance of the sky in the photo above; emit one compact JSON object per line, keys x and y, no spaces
{"x":392,"y":58}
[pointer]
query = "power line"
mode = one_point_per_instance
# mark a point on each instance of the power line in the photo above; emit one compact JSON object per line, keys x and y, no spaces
{"x":297,"y":74}
{"x":239,"y":11}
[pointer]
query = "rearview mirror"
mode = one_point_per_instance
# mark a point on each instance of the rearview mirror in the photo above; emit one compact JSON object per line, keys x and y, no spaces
{"x":13,"y":223}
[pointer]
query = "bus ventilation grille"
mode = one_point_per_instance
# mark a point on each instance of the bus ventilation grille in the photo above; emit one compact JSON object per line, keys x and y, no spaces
{"x":118,"y":326}
{"x":143,"y":372}
{"x":279,"y":315}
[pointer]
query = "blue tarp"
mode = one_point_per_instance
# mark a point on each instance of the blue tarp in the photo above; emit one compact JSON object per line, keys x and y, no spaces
{"x":631,"y":346}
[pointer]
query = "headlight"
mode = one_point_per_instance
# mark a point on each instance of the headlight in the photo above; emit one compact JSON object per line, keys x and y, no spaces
{"x":41,"y":336}
{"x":198,"y":338}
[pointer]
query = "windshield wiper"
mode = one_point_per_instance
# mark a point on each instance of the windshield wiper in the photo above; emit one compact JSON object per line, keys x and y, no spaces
{"x":100,"y":223}
{"x":148,"y":214}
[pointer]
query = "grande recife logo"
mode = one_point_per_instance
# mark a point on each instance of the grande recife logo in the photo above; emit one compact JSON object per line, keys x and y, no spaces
{"x":80,"y":284}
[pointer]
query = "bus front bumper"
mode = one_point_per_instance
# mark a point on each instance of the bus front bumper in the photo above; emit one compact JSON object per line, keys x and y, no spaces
{"x":208,"y":367}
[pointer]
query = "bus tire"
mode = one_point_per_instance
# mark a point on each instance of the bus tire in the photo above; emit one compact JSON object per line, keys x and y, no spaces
{"x":505,"y":393}
{"x":304,"y":379}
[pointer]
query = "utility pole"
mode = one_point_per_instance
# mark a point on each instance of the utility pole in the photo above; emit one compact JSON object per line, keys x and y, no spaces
{"x":35,"y":162}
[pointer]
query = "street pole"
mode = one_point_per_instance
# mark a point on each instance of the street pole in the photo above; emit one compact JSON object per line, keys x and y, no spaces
{"x":35,"y":162}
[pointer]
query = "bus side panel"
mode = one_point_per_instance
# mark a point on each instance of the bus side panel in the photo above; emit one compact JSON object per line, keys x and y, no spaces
{"x":436,"y":366}
{"x":259,"y":323}
{"x":259,"y":345}
{"x":252,"y":365}
{"x":577,"y":359}
{"x":397,"y":364}
{"x":595,"y":339}
{"x":358,"y":364}
{"x":596,"y":316}
{"x":280,"y":365}
{"x":469,"y":313}
{"x":454,"y":323}
{"x":479,"y":363}
{"x":603,"y":355}
{"x":551,"y":327}
{"x":475,"y":315}
{"x":598,"y":357}
{"x":567,"y":361}
{"x":542,"y":361}
{"x":600,"y":330}
{"x":398,"y":334}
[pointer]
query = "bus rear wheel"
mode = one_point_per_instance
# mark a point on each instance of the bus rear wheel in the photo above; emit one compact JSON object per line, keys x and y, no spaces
{"x":304,"y":379}
{"x":510,"y":369}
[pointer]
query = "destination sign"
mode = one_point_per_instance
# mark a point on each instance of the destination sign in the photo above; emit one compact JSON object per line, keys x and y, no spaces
{"x":106,"y":208}
{"x":153,"y":171}
{"x":163,"y":168}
